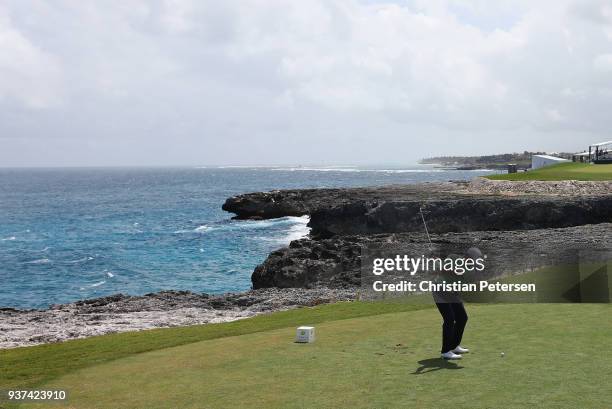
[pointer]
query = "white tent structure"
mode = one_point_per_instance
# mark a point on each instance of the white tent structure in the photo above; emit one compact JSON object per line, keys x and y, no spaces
{"x":581,"y":156}
{"x":539,"y":161}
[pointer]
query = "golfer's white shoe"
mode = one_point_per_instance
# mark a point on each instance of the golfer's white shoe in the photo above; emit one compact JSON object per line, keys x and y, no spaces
{"x":451,"y":355}
{"x":460,"y":350}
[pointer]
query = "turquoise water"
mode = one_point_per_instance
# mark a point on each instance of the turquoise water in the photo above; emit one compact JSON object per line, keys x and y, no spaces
{"x":69,"y":234}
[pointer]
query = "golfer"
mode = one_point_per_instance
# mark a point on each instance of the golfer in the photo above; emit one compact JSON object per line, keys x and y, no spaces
{"x":453,"y":313}
{"x":454,"y":317}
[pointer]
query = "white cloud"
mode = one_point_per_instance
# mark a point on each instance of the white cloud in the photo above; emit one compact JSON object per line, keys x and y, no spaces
{"x":229,"y":78}
{"x":28,"y":74}
{"x":603,"y":62}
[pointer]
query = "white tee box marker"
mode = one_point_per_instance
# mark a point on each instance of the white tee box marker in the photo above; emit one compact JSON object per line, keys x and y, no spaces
{"x":305,"y":334}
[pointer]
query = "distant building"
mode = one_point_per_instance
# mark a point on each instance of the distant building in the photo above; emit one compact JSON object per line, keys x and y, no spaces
{"x":539,"y":161}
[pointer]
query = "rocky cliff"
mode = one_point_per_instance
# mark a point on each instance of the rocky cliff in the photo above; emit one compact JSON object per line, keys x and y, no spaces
{"x":460,"y":214}
{"x":557,"y":215}
{"x":446,"y":207}
{"x":336,"y":261}
{"x":299,"y":202}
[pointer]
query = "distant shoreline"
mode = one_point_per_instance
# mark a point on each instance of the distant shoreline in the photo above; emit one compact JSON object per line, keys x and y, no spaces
{"x":482,"y":162}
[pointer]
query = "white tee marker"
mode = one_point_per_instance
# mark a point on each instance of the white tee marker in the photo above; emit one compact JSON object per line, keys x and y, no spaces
{"x":305,"y":334}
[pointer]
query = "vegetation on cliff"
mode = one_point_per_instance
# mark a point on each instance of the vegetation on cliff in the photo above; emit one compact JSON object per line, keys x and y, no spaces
{"x":522,"y":159}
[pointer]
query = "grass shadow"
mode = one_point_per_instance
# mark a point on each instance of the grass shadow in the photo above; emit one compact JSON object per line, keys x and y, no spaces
{"x":434,"y":364}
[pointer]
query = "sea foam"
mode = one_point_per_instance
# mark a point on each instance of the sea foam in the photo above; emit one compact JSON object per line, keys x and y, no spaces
{"x":39,"y":261}
{"x":298,"y":229}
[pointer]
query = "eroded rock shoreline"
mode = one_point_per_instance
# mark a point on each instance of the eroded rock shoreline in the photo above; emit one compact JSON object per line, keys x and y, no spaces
{"x":324,"y":268}
{"x":336,"y":262}
{"x":121,"y":313}
{"x":448,"y":207}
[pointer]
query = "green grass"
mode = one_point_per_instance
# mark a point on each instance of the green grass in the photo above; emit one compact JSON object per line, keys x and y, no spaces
{"x":562,"y":171}
{"x":32,"y":366}
{"x":556,"y":356}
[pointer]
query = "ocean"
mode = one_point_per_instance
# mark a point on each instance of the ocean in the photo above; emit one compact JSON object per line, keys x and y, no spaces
{"x":71,"y":234}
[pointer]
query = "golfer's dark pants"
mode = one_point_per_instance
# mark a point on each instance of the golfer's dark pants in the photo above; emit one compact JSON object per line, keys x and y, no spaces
{"x":455,"y":318}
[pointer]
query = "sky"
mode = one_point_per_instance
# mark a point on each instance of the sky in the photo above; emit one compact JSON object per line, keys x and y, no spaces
{"x":274,"y":82}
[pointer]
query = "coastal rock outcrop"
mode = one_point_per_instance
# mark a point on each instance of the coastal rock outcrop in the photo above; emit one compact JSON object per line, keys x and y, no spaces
{"x":270,"y":205}
{"x":336,"y":262}
{"x":461,"y":214}
{"x":446,"y":207}
{"x":300,"y":202}
{"x":557,"y":215}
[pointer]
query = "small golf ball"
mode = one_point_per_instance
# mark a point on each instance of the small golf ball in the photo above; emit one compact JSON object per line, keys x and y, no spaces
{"x":502,"y":354}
